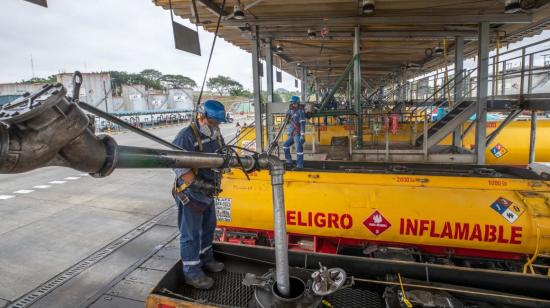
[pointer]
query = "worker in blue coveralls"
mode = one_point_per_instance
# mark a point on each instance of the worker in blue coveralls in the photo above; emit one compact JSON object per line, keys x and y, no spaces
{"x":195,"y":191}
{"x":296,"y":132}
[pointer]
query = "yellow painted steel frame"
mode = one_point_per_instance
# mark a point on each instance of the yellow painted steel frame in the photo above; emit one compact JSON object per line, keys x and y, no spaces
{"x":413,"y":210}
{"x":513,"y":141}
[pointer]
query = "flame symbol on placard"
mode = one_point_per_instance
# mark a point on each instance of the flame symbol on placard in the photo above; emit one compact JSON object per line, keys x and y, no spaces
{"x":377,"y":218}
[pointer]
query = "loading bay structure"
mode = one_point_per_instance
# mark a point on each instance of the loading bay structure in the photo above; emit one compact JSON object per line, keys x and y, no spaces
{"x":365,"y":48}
{"x":386,"y":61}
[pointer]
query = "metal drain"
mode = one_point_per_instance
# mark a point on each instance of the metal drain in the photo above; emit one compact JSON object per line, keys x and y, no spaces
{"x":34,"y":295}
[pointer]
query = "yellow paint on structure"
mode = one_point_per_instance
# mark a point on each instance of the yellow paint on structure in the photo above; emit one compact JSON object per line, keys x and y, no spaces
{"x":513,"y":140}
{"x":445,"y":211}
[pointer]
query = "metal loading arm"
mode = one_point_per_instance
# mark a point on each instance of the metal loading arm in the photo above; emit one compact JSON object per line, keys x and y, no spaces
{"x":47,"y":129}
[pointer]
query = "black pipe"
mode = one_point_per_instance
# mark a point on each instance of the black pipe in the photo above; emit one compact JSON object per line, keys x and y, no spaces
{"x":127,"y":125}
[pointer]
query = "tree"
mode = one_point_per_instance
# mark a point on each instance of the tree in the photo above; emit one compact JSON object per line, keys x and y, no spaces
{"x":285,"y":96}
{"x":50,"y":79}
{"x":121,"y":78}
{"x":178,"y":81}
{"x":151,"y":74}
{"x":239,"y":91}
{"x":223,"y":84}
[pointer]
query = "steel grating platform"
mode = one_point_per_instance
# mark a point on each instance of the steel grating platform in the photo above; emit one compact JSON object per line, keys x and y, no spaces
{"x":355,"y":298}
{"x":228,"y":291}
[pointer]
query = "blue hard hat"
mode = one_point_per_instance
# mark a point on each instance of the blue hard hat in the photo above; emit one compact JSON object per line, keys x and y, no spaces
{"x":294,"y":99}
{"x":213,"y":109}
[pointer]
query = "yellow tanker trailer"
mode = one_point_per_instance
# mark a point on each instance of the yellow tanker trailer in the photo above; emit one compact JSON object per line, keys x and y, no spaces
{"x":461,"y":215}
{"x":510,"y":147}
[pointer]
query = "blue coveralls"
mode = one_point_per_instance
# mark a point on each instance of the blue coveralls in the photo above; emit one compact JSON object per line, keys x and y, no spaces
{"x":296,"y":129}
{"x":196,"y":228}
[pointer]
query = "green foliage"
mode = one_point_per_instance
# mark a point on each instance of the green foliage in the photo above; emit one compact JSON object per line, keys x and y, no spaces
{"x":284,"y":95}
{"x":240,"y":92}
{"x":120,"y":78}
{"x":151,"y":74}
{"x":277,"y":98}
{"x":224,"y":85}
{"x":50,"y":79}
{"x":150,"y":78}
{"x":178,"y":81}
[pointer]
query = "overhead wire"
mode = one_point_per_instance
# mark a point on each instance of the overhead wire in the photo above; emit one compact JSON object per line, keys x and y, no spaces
{"x":195,"y":107}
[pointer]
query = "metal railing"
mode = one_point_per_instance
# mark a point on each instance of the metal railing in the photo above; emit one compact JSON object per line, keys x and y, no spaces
{"x":521,"y":71}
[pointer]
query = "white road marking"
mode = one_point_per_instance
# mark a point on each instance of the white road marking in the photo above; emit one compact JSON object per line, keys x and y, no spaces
{"x":5,"y":197}
{"x":58,"y":182}
{"x":23,"y":191}
{"x":72,"y":178}
{"x":83,"y":174}
{"x":42,"y":186}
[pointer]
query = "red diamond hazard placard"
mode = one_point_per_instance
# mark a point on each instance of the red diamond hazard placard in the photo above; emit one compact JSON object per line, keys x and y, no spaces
{"x":376,"y":223}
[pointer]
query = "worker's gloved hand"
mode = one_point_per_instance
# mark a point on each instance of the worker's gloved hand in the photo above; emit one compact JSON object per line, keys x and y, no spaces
{"x":303,"y":139}
{"x":205,"y":187}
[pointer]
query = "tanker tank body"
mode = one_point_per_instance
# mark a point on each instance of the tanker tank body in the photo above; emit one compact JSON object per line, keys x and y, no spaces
{"x":461,"y":215}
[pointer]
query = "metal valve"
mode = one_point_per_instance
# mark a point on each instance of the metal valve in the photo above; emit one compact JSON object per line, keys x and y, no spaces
{"x":327,"y":281}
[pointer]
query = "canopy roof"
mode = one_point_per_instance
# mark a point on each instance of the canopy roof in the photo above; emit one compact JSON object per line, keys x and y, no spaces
{"x":399,"y":32}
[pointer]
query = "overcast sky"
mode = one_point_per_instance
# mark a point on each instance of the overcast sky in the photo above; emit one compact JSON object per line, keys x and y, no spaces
{"x":102,"y":35}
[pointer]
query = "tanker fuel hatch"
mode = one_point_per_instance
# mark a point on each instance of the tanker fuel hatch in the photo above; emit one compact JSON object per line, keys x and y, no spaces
{"x":306,"y":289}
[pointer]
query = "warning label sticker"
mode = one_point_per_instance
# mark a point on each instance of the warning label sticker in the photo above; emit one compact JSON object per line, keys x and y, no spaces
{"x":223,"y":209}
{"x":376,"y":223}
{"x":499,"y":150}
{"x":510,"y":211}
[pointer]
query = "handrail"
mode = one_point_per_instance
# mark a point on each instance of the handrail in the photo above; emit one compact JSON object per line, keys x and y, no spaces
{"x":338,"y":82}
{"x":505,"y":57}
{"x":522,"y":47}
{"x":392,"y":92}
{"x":521,"y":56}
{"x":423,"y":104}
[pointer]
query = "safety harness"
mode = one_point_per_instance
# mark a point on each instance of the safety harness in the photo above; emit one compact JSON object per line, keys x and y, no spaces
{"x":199,"y":148}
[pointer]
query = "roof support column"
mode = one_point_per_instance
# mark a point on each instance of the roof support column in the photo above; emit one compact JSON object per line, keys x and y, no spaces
{"x":304,"y":85}
{"x":350,"y":89}
{"x":256,"y":89}
{"x":482,"y":88}
{"x":459,"y":84}
{"x":403,"y":87}
{"x":357,"y":88}
{"x":317,"y":91}
{"x":269,"y":125}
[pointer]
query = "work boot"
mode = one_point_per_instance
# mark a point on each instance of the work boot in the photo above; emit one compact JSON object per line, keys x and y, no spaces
{"x":200,"y":282}
{"x":288,"y":165}
{"x":214,"y":266}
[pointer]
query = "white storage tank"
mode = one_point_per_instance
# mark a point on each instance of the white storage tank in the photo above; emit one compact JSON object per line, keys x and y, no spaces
{"x":135,"y":97}
{"x":180,"y":99}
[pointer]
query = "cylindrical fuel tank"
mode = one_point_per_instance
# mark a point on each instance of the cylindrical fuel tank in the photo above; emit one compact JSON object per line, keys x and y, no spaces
{"x":465,"y":212}
{"x":180,"y":99}
{"x":510,"y":147}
